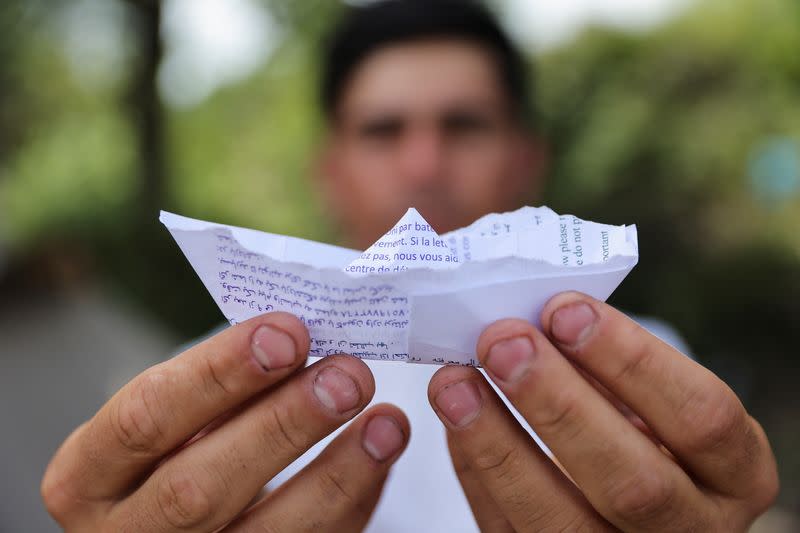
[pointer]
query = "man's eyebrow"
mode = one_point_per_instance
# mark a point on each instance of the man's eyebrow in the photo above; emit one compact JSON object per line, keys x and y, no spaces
{"x":463,"y":114}
{"x":380,"y":122}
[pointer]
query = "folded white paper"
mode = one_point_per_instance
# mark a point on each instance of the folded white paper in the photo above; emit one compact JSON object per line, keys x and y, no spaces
{"x":414,"y":295}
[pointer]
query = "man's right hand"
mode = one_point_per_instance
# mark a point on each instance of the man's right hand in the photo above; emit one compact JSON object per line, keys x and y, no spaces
{"x":189,"y":444}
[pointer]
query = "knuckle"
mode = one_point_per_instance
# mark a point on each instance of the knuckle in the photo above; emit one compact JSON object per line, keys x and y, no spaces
{"x":558,"y":415}
{"x":503,"y":466}
{"x":638,"y":362}
{"x":768,"y":494}
{"x":213,"y":382}
{"x":511,"y":490}
{"x":137,"y":421}
{"x":334,"y":492}
{"x":713,"y":419}
{"x":766,"y":485}
{"x":182,"y":502}
{"x":285,"y":435}
{"x":57,"y":499}
{"x":643,"y":497}
{"x":58,"y":489}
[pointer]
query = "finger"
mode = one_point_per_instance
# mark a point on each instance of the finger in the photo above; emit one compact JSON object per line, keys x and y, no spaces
{"x":206,"y":484}
{"x":337,"y":491}
{"x":527,"y":487}
{"x":622,"y":473}
{"x":487,"y":513}
{"x":170,"y":402}
{"x":694,"y":413}
{"x":626,"y":411}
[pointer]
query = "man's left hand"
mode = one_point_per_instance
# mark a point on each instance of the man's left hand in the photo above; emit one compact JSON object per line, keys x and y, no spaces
{"x":647,"y":439}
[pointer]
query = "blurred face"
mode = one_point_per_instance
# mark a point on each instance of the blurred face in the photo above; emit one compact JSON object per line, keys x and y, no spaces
{"x":426,"y":125}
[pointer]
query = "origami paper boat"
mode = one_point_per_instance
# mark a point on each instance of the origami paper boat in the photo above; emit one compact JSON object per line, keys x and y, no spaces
{"x":413,"y":295}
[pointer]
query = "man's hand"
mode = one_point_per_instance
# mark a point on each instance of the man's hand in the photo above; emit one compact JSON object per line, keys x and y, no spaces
{"x":189,"y":444}
{"x":701,"y":462}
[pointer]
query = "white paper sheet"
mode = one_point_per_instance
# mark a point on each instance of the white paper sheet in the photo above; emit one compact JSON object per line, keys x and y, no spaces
{"x":414,"y":295}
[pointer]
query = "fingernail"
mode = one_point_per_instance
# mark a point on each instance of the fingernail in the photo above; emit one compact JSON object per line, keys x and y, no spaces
{"x":273,"y":348}
{"x":459,"y":402}
{"x":382,"y":437}
{"x":572,"y":324}
{"x":336,"y":390}
{"x":510,"y":359}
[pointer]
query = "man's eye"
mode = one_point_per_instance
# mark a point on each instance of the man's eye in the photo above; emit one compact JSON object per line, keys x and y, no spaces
{"x":381,"y":130}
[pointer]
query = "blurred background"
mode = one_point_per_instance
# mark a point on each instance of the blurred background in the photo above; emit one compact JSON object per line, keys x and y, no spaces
{"x":681,"y":116}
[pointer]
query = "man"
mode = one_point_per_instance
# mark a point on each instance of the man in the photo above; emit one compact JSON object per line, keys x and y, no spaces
{"x":426,"y":107}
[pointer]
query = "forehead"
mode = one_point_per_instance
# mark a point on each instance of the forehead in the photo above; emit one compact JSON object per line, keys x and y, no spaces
{"x":422,"y":76}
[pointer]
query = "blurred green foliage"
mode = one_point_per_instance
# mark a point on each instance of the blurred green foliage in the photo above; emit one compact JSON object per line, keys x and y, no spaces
{"x":661,"y":129}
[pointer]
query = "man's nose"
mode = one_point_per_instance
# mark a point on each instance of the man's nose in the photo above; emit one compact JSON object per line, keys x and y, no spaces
{"x":423,"y":157}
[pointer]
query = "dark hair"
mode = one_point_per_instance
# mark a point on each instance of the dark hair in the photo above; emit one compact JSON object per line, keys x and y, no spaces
{"x":363,"y":30}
